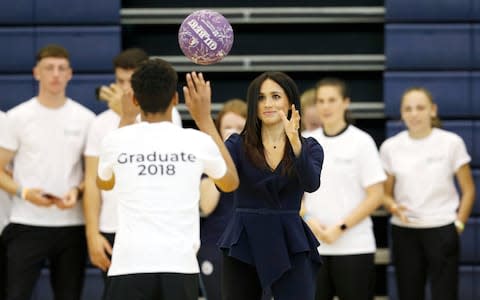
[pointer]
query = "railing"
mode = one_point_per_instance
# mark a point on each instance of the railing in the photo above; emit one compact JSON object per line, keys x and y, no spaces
{"x":260,"y":15}
{"x":260,"y":63}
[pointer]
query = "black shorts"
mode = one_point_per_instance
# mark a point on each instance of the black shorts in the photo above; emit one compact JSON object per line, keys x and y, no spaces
{"x":161,"y":286}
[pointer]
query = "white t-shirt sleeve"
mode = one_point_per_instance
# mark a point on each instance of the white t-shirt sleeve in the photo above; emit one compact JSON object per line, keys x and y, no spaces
{"x":9,"y":136}
{"x":106,"y":158}
{"x":371,"y":170}
{"x":3,"y":124}
{"x":385,"y":157}
{"x":214,"y":164}
{"x":460,"y":155}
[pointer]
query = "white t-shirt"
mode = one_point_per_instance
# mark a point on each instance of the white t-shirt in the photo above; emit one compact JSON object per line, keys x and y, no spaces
{"x":49,"y":144}
{"x":424,"y":171}
{"x":351,"y":164}
{"x":5,"y":200}
{"x":157,"y":169}
{"x":101,"y":126}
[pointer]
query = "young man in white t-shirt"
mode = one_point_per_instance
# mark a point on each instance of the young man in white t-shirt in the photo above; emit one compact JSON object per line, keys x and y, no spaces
{"x":154,"y":168}
{"x":45,"y":142}
{"x":100,"y":207}
{"x":5,"y":203}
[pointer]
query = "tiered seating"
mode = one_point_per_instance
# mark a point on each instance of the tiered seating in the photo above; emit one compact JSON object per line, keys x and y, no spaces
{"x":92,"y":43}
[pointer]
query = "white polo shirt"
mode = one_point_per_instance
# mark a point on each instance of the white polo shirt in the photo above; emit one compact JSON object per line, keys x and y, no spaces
{"x":424,"y":171}
{"x":101,"y":126}
{"x":351,"y":164}
{"x":157,"y":167}
{"x":5,"y":200}
{"x":48,"y":145}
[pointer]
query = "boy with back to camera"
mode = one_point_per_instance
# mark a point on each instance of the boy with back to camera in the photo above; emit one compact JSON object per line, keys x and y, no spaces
{"x":155,"y":168}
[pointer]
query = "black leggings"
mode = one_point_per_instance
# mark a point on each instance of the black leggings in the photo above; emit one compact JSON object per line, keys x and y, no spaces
{"x":350,"y":277}
{"x":421,"y":253}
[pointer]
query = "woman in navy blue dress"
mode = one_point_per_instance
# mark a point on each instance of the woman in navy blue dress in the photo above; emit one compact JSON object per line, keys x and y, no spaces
{"x":266,"y":244}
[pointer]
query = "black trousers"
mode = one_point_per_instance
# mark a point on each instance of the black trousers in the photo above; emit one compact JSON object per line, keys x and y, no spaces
{"x":30,"y":247}
{"x":153,"y":286}
{"x":350,"y":277}
{"x":431,"y":253}
{"x":240,"y":281}
{"x":111,"y":239}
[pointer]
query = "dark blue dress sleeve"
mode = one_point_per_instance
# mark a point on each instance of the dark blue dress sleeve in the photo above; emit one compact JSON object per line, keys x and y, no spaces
{"x":233,"y":144}
{"x":308,"y":165}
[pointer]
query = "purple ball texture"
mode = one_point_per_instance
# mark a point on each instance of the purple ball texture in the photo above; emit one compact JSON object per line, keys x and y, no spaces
{"x":205,"y":37}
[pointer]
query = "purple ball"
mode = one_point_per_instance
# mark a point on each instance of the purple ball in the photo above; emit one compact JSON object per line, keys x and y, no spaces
{"x":205,"y":37}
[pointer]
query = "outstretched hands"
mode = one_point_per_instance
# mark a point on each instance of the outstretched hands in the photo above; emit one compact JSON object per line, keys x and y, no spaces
{"x":198,"y":98}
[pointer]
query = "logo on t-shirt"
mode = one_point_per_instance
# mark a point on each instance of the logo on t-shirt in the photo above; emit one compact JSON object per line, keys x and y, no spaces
{"x":72,"y":132}
{"x":156,"y":163}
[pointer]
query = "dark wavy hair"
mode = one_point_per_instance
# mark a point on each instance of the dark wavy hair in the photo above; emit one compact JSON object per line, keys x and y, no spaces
{"x":252,"y":133}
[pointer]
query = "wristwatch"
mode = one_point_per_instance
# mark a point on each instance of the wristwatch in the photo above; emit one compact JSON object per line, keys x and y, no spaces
{"x":343,"y":227}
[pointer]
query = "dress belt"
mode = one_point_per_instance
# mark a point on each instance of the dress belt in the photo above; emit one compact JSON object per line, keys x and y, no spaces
{"x":266,"y":211}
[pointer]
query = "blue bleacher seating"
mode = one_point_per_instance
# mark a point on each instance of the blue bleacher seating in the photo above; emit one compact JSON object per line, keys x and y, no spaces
{"x":16,"y":12}
{"x":91,"y":48}
{"x":77,"y":12}
{"x":19,"y":55}
{"x":450,"y":90}
{"x":476,"y":46}
{"x":427,"y":10}
{"x":468,"y":243}
{"x":476,"y":279}
{"x":476,"y":144}
{"x":476,"y":206}
{"x":15,"y":90}
{"x":428,"y":46}
{"x":475,"y":10}
{"x":475,"y":77}
{"x":466,"y":283}
{"x":82,"y":89}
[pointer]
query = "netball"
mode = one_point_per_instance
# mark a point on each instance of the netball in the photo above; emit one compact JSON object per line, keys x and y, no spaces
{"x":205,"y":37}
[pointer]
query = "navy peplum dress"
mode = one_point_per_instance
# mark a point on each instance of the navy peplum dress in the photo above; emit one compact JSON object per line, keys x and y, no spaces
{"x":266,"y":229}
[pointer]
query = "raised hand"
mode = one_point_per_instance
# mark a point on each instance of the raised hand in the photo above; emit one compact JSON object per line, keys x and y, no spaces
{"x":198,"y":98}
{"x":291,"y":129}
{"x":113,"y":95}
